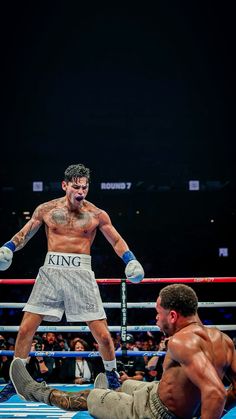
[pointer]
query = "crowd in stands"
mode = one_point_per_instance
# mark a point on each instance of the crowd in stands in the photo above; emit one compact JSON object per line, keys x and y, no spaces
{"x":82,"y":370}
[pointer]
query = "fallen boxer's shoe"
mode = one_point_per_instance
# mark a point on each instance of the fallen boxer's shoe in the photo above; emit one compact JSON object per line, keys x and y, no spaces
{"x":101,"y":381}
{"x":25,"y":386}
{"x":31,"y":390}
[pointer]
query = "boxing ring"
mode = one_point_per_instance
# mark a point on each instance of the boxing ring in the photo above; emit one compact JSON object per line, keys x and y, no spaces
{"x":16,"y":408}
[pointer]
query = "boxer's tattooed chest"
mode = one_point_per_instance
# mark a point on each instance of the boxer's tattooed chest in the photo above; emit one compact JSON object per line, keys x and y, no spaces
{"x":61,"y":217}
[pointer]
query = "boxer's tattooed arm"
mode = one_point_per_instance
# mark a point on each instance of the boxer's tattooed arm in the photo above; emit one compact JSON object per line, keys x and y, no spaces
{"x":70,"y":400}
{"x":28,"y":231}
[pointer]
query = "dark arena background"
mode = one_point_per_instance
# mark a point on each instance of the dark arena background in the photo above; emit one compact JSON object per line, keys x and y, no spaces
{"x":143,"y":95}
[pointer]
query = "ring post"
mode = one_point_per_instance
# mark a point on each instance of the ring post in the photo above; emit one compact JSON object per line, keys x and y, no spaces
{"x":123,"y":298}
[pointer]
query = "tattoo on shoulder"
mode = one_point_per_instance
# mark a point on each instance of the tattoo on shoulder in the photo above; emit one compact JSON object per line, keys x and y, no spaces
{"x":98,"y":212}
{"x":95,"y":211}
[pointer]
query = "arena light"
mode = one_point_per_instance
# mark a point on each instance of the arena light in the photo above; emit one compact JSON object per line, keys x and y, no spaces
{"x":37,"y":186}
{"x":194,"y":185}
{"x":223,"y":252}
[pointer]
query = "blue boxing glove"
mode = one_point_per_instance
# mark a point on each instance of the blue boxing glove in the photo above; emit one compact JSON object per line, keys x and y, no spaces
{"x":134,"y":271}
{"x":6,"y":255}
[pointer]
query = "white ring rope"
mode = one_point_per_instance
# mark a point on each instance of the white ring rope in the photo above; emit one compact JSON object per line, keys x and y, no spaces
{"x":111,"y":328}
{"x":137,"y":305}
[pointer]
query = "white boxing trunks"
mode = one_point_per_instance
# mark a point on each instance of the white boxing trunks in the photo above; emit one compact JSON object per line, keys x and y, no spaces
{"x":66,"y":283}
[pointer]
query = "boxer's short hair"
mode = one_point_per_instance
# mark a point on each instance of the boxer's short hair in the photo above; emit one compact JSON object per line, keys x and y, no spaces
{"x":76,"y":171}
{"x":179,"y":297}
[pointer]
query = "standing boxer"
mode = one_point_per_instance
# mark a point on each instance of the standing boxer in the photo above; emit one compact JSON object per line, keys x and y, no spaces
{"x":66,"y":283}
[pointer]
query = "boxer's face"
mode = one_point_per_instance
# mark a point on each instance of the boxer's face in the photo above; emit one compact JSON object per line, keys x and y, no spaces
{"x":76,"y":190}
{"x":164,"y":319}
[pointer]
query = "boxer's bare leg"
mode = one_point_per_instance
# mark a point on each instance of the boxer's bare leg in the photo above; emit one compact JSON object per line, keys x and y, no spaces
{"x":28,"y":327}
